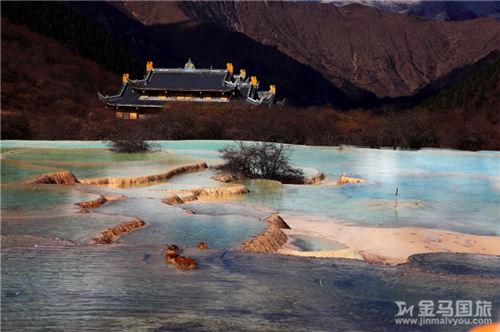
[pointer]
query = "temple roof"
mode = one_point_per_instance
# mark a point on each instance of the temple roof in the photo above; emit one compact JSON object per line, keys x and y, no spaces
{"x":129,"y":97}
{"x":213,"y":81}
{"x":184,"y":80}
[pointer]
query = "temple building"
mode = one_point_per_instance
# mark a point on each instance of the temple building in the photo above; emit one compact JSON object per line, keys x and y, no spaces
{"x":138,"y":98}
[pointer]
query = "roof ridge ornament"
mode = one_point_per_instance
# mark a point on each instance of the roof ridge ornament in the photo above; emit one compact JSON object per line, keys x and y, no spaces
{"x":253,"y":81}
{"x":189,"y":66}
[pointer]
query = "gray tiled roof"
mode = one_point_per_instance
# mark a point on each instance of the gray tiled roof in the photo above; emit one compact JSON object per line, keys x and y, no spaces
{"x":189,"y":79}
{"x":184,"y":80}
{"x":129,"y":97}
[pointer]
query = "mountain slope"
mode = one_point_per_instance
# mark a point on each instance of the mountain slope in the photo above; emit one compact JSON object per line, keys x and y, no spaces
{"x":435,"y":10}
{"x":48,"y":92}
{"x":475,"y":87}
{"x":207,"y":44}
{"x":55,"y":20}
{"x":385,"y":53}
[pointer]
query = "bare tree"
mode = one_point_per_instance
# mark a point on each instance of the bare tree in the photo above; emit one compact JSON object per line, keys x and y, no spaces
{"x":131,"y":146}
{"x":259,"y":161}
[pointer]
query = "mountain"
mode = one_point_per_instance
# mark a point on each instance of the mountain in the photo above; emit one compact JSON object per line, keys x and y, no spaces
{"x":114,"y":38}
{"x":48,"y":92}
{"x":385,"y":53}
{"x":55,"y":20}
{"x":172,"y":42}
{"x":316,"y":53}
{"x":389,"y":54}
{"x":470,"y":88}
{"x":435,"y":10}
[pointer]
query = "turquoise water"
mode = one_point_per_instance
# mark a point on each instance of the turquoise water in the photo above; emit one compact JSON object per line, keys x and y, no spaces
{"x":127,"y":286}
{"x":446,"y":189}
{"x":130,"y":288}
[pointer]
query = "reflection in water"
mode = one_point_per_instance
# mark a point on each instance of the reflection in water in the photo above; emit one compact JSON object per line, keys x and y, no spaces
{"x":308,"y":243}
{"x":450,"y":190}
{"x":115,"y":288}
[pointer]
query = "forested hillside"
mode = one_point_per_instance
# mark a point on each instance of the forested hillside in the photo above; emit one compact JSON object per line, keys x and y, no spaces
{"x":56,"y":20}
{"x":480,"y":89}
{"x":50,"y":80}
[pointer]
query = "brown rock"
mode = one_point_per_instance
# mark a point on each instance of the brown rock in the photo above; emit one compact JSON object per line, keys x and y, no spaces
{"x":171,"y":257}
{"x":202,"y":245}
{"x":190,"y":195}
{"x":276,"y":219}
{"x":65,"y":177}
{"x":225,"y":177}
{"x":111,"y":234}
{"x":314,"y":179}
{"x":172,"y":249}
{"x":343,"y":179}
{"x":141,"y":180}
{"x":172,"y":200}
{"x":92,"y":203}
{"x":185,"y":263}
{"x":270,"y":240}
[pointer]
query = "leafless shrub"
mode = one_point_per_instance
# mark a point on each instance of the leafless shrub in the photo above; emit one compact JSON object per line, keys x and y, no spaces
{"x":259,"y":161}
{"x":131,"y":146}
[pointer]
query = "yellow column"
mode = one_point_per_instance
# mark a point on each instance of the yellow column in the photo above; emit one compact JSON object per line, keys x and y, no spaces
{"x":125,"y":78}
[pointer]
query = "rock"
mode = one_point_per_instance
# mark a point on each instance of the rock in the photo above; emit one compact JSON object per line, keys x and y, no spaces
{"x":313,"y":179}
{"x":171,"y":257}
{"x":92,"y":203}
{"x":141,"y":180}
{"x":276,"y":219}
{"x":189,"y":195}
{"x":202,"y":245}
{"x":111,"y":234}
{"x":220,"y":192}
{"x":172,"y":200}
{"x":343,"y":179}
{"x":172,"y":249}
{"x":270,"y":240}
{"x":65,"y":177}
{"x":226,"y":177}
{"x":185,"y":263}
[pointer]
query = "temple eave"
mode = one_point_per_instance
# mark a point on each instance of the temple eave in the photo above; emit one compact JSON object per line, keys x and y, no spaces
{"x":161,"y":86}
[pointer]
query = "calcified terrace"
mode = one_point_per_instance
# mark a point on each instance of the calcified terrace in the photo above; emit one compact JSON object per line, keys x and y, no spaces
{"x":378,"y":245}
{"x":70,"y":248}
